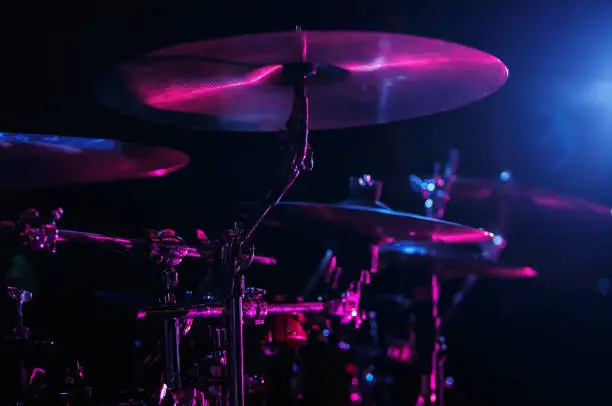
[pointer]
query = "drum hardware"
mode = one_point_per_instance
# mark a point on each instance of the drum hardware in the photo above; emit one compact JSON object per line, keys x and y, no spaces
{"x":491,"y":250}
{"x":18,"y":334}
{"x":427,"y":320}
{"x":437,"y":193}
{"x":436,"y":190}
{"x":215,"y":364}
{"x":256,"y":309}
{"x":169,"y":257}
{"x":324,"y":270}
{"x":235,"y":250}
{"x":237,"y":239}
{"x":40,"y":384}
{"x":505,"y":190}
{"x":19,"y":297}
{"x":35,"y":235}
{"x":363,"y":190}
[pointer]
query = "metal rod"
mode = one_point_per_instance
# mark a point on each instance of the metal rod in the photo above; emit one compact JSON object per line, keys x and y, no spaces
{"x":172,"y":337}
{"x":236,"y":342}
{"x":298,"y":128}
{"x":427,"y":325}
{"x":215,"y":311}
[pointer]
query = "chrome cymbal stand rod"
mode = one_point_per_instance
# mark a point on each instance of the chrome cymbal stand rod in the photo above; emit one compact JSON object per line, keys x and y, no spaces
{"x":169,"y":256}
{"x":238,"y":241}
{"x":297,"y":125}
{"x":490,"y":250}
{"x":437,"y":193}
{"x":427,"y":321}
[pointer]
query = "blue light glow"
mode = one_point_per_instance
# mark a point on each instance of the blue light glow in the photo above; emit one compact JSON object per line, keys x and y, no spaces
{"x":99,"y":144}
{"x":505,"y":176}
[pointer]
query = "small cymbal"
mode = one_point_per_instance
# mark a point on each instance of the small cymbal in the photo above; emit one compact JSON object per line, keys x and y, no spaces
{"x":241,"y":84}
{"x":376,"y":222}
{"x":455,"y":263}
{"x":32,"y":160}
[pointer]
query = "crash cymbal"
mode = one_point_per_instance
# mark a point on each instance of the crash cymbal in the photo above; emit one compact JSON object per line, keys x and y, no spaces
{"x":32,"y":160}
{"x":454,"y":262}
{"x":376,"y":222}
{"x":482,"y":189}
{"x":240,"y":83}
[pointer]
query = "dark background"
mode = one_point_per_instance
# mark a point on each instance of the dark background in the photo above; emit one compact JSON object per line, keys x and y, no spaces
{"x":534,"y":341}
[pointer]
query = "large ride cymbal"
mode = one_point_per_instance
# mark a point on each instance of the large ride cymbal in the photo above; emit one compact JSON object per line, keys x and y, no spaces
{"x":240,"y":83}
{"x":377,"y":222}
{"x":31,"y":160}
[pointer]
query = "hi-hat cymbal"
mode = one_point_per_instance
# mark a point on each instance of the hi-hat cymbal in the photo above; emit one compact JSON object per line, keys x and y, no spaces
{"x":377,"y":222}
{"x":240,"y":83}
{"x":31,"y":160}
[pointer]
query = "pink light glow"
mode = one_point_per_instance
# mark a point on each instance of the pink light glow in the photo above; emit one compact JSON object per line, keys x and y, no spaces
{"x":160,"y":172}
{"x":180,"y":93}
{"x":185,"y":92}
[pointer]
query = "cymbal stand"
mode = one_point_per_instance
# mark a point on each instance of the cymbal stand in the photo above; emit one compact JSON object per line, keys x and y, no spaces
{"x":33,"y":233}
{"x":237,"y":241}
{"x":255,"y":308}
{"x":436,"y":192}
{"x":297,"y":125}
{"x":170,"y":253}
{"x":491,"y":250}
{"x":17,"y":383}
{"x":19,"y":296}
{"x":365,"y":190}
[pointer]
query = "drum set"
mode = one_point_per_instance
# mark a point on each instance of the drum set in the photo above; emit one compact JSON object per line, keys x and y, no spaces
{"x":374,"y":325}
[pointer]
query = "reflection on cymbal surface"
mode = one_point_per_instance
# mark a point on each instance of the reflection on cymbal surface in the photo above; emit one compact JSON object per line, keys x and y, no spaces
{"x":481,"y":189}
{"x":241,"y":83}
{"x":378,"y":223}
{"x":455,"y":263}
{"x":33,"y":160}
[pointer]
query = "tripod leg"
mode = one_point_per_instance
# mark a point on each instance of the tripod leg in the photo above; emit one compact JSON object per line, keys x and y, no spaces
{"x":427,"y":328}
{"x":236,"y":348}
{"x":172,"y":337}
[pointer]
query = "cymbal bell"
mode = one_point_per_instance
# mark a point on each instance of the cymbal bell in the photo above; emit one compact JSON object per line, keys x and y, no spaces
{"x":33,"y":160}
{"x":240,"y":83}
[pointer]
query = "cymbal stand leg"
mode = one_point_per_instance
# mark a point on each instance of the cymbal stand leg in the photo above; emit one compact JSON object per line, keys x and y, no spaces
{"x":232,"y":260}
{"x":170,"y":255}
{"x":297,"y":127}
{"x":431,"y":384}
